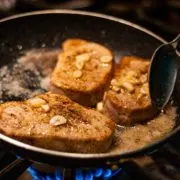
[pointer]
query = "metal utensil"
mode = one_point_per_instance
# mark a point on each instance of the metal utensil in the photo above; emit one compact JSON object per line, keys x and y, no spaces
{"x":163,"y":72}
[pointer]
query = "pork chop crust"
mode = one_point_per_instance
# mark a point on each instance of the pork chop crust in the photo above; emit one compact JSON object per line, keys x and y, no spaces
{"x":127,"y":101}
{"x":83,"y":72}
{"x":82,"y":130}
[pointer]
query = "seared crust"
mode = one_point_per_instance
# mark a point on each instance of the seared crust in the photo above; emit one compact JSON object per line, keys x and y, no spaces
{"x":128,"y":101}
{"x":84,"y":81}
{"x":71,"y":44}
{"x":86,"y":131}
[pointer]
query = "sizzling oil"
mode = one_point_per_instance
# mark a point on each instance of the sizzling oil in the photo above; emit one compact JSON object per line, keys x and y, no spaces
{"x":131,"y":138}
{"x":30,"y":76}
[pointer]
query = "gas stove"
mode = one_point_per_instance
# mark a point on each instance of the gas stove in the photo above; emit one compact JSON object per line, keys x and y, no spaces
{"x":161,"y":165}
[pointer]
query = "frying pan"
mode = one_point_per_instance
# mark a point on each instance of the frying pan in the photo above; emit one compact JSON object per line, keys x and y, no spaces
{"x":52,"y":27}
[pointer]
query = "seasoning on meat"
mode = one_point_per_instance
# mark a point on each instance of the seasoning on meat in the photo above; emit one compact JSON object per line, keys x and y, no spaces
{"x":67,"y":126}
{"x":83,"y":71}
{"x":58,"y":120}
{"x":127,"y":101}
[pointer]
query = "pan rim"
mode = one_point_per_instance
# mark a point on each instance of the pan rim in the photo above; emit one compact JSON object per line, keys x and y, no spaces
{"x":86,"y":13}
{"x":80,"y":155}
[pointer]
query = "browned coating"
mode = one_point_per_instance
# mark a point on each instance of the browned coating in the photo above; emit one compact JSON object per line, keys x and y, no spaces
{"x":86,"y":131}
{"x":128,"y":108}
{"x":95,"y":74}
{"x":73,"y":43}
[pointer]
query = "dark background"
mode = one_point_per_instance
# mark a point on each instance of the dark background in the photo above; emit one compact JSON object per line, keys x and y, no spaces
{"x":160,"y":16}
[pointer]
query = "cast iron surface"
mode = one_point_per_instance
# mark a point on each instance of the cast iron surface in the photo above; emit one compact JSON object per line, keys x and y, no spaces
{"x":51,"y":28}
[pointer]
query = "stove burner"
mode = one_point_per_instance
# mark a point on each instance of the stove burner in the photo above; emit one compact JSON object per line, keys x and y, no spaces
{"x":98,"y":173}
{"x":37,"y":175}
{"x":79,"y":174}
{"x":161,"y":165}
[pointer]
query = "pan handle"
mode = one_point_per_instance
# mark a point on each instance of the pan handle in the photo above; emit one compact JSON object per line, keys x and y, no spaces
{"x":14,"y":169}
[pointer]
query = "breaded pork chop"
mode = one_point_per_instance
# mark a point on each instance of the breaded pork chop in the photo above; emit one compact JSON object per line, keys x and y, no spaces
{"x":83,"y":73}
{"x":55,"y":122}
{"x":127,"y":101}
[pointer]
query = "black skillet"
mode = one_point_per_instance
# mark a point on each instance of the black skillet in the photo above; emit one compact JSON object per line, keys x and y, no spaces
{"x":52,"y":27}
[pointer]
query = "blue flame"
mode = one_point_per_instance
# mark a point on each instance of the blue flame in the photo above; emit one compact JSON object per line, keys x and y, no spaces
{"x":80,"y":174}
{"x":58,"y":174}
{"x":89,"y":175}
{"x":98,"y":172}
{"x":48,"y":177}
{"x":33,"y":173}
{"x":107,"y":173}
{"x":45,"y":176}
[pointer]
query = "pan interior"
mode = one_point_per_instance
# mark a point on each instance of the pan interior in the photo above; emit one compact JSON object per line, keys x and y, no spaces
{"x":46,"y":31}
